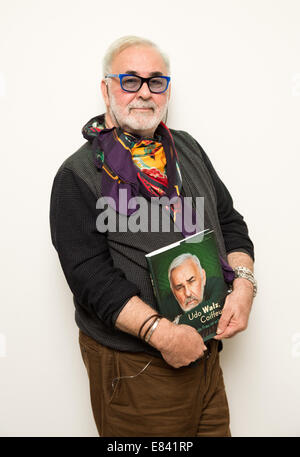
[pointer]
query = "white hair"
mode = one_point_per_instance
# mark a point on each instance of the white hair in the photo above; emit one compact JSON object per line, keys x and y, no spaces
{"x":125,"y":42}
{"x":179,"y":260}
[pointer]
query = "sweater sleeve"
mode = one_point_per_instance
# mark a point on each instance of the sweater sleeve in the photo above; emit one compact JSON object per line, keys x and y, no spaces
{"x":233,"y":226}
{"x":83,"y":251}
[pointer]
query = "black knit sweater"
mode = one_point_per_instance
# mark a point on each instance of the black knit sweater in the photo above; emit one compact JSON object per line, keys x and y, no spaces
{"x":104,"y":270}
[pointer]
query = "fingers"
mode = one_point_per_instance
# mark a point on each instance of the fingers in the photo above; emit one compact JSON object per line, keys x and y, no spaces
{"x":234,"y":318}
{"x":225,"y":318}
{"x":227,"y":333}
{"x":185,"y":347}
{"x":233,"y":327}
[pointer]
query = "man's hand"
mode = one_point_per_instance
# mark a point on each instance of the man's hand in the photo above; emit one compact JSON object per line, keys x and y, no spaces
{"x":236,"y":309}
{"x":179,"y":344}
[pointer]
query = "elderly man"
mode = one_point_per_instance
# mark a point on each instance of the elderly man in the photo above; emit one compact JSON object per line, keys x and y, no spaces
{"x":187,"y":281}
{"x":190,"y":286}
{"x":142,"y":379}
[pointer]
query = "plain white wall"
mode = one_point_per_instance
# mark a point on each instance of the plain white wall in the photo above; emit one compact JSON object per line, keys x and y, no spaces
{"x":236,"y":89}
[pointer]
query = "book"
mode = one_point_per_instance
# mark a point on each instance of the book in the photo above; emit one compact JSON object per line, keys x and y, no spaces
{"x":188,"y":282}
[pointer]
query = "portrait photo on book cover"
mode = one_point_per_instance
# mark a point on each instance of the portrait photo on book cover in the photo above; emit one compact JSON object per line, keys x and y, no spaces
{"x":191,"y":287}
{"x":189,"y":283}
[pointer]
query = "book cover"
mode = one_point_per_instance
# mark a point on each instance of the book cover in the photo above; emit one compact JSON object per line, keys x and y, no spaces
{"x":188,"y":282}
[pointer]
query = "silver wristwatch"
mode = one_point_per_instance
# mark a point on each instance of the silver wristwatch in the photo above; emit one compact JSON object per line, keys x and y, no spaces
{"x":243,"y":272}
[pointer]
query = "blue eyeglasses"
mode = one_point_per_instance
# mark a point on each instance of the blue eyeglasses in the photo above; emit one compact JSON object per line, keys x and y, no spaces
{"x":133,"y":83}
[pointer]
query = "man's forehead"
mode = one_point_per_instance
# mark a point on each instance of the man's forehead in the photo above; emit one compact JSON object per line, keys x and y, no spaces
{"x":152,"y":73}
{"x":141,"y":60}
{"x":188,"y":264}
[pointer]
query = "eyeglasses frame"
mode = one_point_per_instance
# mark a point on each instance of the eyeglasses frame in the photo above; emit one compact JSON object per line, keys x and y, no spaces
{"x":122,"y":75}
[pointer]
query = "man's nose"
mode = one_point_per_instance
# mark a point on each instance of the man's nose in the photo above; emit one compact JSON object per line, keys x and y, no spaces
{"x":187,"y":291}
{"x":144,"y":91}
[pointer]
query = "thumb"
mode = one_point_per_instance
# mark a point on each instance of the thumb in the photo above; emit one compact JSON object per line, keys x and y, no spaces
{"x":224,"y":320}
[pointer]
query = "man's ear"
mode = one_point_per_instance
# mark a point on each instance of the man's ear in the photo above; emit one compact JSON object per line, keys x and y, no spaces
{"x":169,"y":95}
{"x":104,"y":91}
{"x":204,"y":276}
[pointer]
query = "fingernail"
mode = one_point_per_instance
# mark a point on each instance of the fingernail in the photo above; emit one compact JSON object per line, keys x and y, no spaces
{"x":219,"y":331}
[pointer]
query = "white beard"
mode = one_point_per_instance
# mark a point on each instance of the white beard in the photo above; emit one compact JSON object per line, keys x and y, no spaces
{"x":140,"y":122}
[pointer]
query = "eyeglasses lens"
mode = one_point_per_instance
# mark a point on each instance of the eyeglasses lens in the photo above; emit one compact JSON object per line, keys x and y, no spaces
{"x":158,"y":84}
{"x":133,"y":84}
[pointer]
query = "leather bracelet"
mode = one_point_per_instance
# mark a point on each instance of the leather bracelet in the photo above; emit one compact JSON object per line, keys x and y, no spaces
{"x":145,"y":322}
{"x":152,"y":328}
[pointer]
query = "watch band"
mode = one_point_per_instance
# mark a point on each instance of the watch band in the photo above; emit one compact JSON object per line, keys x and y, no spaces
{"x":243,"y":272}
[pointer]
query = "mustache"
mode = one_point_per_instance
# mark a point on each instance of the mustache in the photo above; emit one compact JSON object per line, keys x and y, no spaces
{"x":142,"y":105}
{"x":190,"y":299}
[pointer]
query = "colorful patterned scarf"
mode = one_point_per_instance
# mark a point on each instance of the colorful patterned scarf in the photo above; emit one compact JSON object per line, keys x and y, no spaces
{"x":149,"y":156}
{"x":142,"y":166}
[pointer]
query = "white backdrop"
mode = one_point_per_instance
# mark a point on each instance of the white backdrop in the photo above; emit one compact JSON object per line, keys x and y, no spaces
{"x":236,"y":88}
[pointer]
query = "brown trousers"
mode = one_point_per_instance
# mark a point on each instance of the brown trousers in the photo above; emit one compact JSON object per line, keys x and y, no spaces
{"x":160,"y":400}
